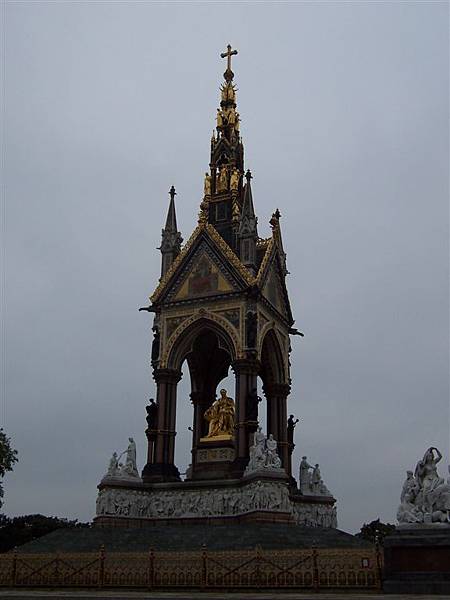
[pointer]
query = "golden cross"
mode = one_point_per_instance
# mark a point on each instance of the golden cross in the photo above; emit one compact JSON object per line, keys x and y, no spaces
{"x":228,"y":54}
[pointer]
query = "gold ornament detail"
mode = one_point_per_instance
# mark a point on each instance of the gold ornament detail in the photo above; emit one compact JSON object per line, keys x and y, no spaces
{"x":234,"y":179}
{"x":236,"y":211}
{"x":265,"y":261}
{"x":207,"y":185}
{"x":222,"y":181}
{"x":232,"y":257}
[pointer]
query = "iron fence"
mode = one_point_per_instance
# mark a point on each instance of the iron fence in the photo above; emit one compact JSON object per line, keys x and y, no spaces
{"x":312,"y":569}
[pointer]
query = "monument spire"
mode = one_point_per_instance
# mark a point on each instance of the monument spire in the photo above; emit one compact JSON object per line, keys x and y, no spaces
{"x":222,"y":200}
{"x":170,"y":237}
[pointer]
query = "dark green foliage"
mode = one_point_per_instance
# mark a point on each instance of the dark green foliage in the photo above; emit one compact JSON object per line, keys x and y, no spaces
{"x":20,"y":530}
{"x":376,"y":530}
{"x":8,"y":456}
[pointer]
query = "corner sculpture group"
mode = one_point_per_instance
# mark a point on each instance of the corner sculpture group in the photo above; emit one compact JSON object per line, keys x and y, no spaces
{"x":425,"y":496}
{"x":127,"y":470}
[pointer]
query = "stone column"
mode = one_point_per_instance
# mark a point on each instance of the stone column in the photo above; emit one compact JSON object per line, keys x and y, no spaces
{"x":246,"y":371}
{"x":151,"y":437}
{"x":196,"y":400}
{"x":163,"y":468}
{"x":277,"y":394}
{"x":200,"y":404}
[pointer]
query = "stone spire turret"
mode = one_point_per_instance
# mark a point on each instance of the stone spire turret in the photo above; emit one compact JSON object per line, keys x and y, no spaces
{"x":248,"y":232}
{"x":170,"y":237}
{"x":222,"y":199}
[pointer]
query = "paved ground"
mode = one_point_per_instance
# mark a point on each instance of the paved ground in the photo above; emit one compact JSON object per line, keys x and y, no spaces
{"x":86,"y":595}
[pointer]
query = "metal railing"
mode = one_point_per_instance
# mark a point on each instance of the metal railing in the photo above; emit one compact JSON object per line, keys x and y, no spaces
{"x":313,"y":569}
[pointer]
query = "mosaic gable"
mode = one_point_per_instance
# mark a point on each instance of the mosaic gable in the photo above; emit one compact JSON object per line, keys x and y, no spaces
{"x":203,"y":275}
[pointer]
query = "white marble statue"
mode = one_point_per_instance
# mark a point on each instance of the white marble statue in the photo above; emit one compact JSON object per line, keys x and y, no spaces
{"x":113,"y":467}
{"x":130,"y":467}
{"x":425,"y":496}
{"x":272,"y":458}
{"x":310,"y":479}
{"x":263,"y":454}
{"x":305,"y":476}
{"x":410,"y":486}
{"x":117,"y":470}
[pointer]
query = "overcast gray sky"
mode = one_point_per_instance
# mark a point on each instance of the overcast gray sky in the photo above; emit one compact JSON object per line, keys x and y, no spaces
{"x":344,"y":111}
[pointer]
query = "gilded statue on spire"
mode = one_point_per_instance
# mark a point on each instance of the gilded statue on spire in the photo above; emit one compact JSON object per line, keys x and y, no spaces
{"x":228,"y":92}
{"x":222,"y":182}
{"x":231,"y":117}
{"x":234,"y":179}
{"x":207,"y":185}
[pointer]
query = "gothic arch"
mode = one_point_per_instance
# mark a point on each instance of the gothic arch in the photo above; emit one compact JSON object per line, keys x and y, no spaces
{"x":182,"y":340}
{"x":273,"y":368}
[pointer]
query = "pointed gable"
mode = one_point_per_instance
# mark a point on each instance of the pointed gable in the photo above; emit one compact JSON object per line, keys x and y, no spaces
{"x":206,"y":266}
{"x":271,"y":281}
{"x":203,"y":278}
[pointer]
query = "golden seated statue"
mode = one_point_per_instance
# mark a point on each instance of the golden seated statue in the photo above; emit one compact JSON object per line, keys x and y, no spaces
{"x":220,"y":416}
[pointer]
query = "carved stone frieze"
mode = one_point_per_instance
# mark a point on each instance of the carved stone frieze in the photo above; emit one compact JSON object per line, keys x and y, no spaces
{"x":259,"y":495}
{"x":315,"y":515}
{"x":205,"y":455}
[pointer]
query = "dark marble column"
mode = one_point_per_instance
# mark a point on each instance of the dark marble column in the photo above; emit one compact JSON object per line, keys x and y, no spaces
{"x":197,"y":425}
{"x":162,"y":467}
{"x":277,"y":394}
{"x":246,"y":372}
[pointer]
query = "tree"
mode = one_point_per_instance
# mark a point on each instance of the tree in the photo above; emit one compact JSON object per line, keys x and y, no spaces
{"x":20,"y":530}
{"x":8,"y":456}
{"x":375,"y":531}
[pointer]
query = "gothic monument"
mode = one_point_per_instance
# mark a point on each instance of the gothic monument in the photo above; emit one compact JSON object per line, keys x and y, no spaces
{"x":221,"y":303}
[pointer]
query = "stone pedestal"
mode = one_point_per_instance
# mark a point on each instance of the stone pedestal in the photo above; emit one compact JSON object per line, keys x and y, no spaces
{"x":417,"y":560}
{"x":213,"y":458}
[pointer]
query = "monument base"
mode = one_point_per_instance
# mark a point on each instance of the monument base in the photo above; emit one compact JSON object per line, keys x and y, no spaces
{"x":417,"y":560}
{"x":262,"y":497}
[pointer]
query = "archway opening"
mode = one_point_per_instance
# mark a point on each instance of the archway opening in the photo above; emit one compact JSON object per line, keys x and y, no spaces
{"x":276,"y":389}
{"x":206,"y":369}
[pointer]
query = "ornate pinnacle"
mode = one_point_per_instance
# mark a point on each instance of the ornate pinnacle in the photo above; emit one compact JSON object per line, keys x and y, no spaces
{"x":275,"y":220}
{"x":248,"y":175}
{"x":172,"y":193}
